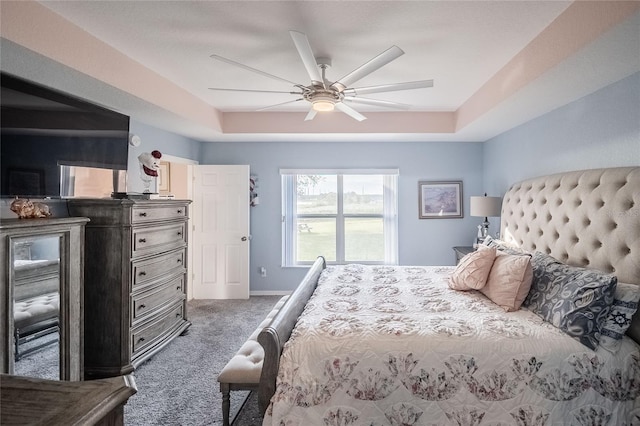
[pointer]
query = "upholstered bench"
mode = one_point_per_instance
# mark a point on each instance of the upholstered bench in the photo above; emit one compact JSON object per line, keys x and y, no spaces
{"x":242,"y":372}
{"x":35,"y":317}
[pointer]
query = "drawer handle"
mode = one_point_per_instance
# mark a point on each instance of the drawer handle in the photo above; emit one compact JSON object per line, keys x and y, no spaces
{"x":142,"y":273}
{"x":178,"y":288}
{"x":141,"y":339}
{"x":142,"y":240}
{"x":179,"y":233}
{"x":179,"y":260}
{"x":179,"y":211}
{"x":142,"y":306}
{"x":178,"y":315}
{"x":142,"y":214}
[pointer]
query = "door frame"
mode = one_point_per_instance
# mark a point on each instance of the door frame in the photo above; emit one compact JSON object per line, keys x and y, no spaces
{"x":189,"y":186}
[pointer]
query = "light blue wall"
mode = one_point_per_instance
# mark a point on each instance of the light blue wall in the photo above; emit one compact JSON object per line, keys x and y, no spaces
{"x":153,"y":138}
{"x":422,"y":242}
{"x":599,"y":130}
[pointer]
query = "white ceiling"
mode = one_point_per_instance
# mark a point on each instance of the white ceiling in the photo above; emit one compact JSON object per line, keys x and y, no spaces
{"x":459,"y":44}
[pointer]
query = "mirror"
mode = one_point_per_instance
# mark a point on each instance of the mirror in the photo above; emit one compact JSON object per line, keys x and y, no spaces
{"x":36,"y":280}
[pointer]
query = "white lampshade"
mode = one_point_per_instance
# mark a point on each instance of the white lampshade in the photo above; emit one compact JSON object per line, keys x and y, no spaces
{"x":485,"y":206}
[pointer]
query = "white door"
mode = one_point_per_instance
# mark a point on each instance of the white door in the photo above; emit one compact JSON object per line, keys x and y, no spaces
{"x":221,"y":232}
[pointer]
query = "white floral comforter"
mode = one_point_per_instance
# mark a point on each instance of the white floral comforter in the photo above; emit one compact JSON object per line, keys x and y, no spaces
{"x":381,"y":345}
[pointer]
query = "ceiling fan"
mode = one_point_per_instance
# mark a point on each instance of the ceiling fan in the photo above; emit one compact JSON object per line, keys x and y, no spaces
{"x":322,"y":94}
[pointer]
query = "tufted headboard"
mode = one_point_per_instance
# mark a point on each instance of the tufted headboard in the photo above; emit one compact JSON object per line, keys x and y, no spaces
{"x":588,"y":218}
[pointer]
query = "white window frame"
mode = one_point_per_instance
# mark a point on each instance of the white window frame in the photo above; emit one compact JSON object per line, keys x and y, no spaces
{"x":389,"y":215}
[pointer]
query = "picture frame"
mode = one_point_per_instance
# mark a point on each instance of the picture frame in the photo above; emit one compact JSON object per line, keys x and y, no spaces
{"x":440,"y":200}
{"x":164,"y":177}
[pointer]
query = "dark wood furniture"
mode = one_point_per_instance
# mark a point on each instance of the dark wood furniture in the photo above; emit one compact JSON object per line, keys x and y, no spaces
{"x":30,"y":401}
{"x":65,"y":239}
{"x":462,"y":251}
{"x":136,"y":275}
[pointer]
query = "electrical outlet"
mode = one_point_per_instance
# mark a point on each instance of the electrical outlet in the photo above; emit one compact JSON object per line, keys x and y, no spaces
{"x":263,"y":272}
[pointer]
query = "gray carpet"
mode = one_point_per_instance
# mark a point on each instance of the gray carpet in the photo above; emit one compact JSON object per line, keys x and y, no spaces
{"x":178,"y":385}
{"x":44,"y":362}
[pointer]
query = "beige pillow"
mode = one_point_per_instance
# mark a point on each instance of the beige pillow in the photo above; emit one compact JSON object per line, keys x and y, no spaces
{"x":509,"y":280}
{"x":473,"y":269}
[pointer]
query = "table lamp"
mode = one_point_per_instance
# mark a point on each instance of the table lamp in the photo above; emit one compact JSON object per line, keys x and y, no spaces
{"x":485,"y":207}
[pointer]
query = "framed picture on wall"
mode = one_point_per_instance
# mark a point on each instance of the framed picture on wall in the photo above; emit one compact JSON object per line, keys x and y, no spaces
{"x":440,"y":200}
{"x":164,"y":177}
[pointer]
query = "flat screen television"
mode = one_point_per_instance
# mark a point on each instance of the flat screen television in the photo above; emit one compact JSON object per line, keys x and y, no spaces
{"x":46,"y":136}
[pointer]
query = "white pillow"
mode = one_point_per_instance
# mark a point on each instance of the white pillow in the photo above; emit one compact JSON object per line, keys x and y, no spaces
{"x":618,"y":321}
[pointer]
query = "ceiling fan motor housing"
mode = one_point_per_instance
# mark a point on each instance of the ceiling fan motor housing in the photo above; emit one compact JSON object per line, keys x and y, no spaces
{"x":322,"y":99}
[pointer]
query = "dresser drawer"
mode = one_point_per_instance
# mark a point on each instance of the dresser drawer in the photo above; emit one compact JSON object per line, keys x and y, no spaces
{"x":150,"y":270}
{"x":147,"y":240}
{"x":141,"y":214}
{"x":147,"y":334}
{"x":148,"y":302}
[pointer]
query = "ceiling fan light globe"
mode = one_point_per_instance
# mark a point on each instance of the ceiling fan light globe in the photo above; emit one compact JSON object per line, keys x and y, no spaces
{"x":323,"y":105}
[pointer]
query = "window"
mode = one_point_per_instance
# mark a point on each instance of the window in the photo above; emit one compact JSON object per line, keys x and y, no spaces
{"x":347,"y":216}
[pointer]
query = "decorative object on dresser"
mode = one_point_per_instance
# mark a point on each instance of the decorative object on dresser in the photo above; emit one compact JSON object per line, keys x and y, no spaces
{"x":484,"y":207}
{"x":30,"y":401}
{"x":136,"y":270}
{"x":149,"y":166}
{"x":27,"y":209}
{"x":41,"y":293}
{"x":164,"y":177}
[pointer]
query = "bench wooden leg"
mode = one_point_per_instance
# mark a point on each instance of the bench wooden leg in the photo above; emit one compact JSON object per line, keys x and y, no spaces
{"x":226,"y":403}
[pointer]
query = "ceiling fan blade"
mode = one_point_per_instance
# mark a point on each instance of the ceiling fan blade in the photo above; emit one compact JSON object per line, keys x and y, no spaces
{"x":388,"y":88}
{"x":350,"y":111}
{"x":254,"y":91}
{"x":382,"y":59}
{"x":310,"y":116}
{"x":377,"y":102}
{"x":306,"y":54}
{"x":280,"y":104}
{"x":248,"y":68}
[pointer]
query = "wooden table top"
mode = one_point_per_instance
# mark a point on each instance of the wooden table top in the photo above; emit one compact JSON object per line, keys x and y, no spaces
{"x":28,"y":400}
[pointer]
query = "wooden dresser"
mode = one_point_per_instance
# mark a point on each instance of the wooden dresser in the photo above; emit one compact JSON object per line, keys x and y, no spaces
{"x":135,"y":280}
{"x":59,"y":244}
{"x":31,"y":401}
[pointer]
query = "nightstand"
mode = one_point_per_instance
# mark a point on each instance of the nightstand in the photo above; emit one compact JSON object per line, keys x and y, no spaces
{"x":462,"y":251}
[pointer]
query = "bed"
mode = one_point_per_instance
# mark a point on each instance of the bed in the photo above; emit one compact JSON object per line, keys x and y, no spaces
{"x":388,"y":344}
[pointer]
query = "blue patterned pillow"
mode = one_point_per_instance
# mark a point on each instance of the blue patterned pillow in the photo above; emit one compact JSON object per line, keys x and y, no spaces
{"x":625,"y":304}
{"x":576,"y":300}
